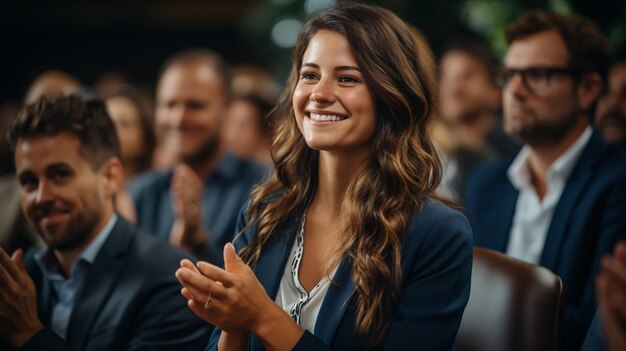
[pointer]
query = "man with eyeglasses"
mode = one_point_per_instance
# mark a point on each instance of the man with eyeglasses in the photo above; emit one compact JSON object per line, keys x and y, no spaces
{"x":561,"y":201}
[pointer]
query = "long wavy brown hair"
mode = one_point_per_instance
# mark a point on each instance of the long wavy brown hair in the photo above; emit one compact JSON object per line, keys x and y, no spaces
{"x":403,"y":168}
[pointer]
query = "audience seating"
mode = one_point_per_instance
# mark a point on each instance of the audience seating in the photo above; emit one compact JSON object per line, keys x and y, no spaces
{"x":513,"y":306}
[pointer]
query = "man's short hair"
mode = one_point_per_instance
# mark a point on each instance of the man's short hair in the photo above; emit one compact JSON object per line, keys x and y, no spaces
{"x":589,"y":51}
{"x":86,"y":119}
{"x":476,"y":48}
{"x":195,"y":55}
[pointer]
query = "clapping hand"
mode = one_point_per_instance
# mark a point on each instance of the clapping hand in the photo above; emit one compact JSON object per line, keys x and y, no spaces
{"x":231,"y":298}
{"x":18,"y":301}
{"x":186,"y":189}
{"x":234,"y":300}
{"x":611,"y":289}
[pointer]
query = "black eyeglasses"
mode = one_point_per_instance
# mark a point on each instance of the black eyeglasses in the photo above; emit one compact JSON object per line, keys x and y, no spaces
{"x":536,"y":79}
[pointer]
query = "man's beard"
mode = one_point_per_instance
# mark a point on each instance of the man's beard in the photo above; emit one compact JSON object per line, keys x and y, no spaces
{"x":204,"y":153}
{"x":542,"y":132}
{"x":78,"y":232}
{"x":79,"y":228}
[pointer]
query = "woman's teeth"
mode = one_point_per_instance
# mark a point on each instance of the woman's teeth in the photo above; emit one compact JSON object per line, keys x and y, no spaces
{"x":323,"y":118}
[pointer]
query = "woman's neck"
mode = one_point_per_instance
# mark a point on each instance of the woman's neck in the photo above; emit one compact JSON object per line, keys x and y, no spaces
{"x":335,"y":173}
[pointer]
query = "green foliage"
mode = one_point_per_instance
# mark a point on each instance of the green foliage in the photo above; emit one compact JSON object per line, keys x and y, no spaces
{"x":441,"y":19}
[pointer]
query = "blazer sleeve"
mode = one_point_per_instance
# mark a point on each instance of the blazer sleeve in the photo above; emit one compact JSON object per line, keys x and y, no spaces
{"x":164,"y":327}
{"x":437,"y":285}
{"x":164,"y":321}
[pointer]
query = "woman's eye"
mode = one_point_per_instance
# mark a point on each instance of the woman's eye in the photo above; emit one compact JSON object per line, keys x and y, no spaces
{"x":348,"y":79}
{"x":308,"y":75}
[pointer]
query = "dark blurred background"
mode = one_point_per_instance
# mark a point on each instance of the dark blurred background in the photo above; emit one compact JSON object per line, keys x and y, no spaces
{"x":88,"y":38}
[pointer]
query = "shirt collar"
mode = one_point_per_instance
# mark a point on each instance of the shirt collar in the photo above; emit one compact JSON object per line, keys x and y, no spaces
{"x":519,"y":174}
{"x":48,"y":264}
{"x":564,"y":165}
{"x":90,"y":253}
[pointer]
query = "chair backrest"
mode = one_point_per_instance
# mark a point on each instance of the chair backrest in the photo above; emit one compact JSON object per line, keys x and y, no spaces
{"x":513,"y":306}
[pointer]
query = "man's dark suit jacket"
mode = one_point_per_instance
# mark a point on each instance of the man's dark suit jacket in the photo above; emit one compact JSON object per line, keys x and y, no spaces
{"x":130,"y":300}
{"x":590,"y":217}
{"x":436,"y":268}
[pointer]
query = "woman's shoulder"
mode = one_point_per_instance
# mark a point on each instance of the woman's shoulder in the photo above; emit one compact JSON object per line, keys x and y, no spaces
{"x":437,"y":237}
{"x":437,"y":221}
{"x":433,"y":211}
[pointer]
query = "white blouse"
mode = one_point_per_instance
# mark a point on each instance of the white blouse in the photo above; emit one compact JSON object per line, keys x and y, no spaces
{"x":302,"y":306}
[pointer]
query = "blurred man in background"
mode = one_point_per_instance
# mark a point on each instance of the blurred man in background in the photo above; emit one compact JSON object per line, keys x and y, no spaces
{"x":97,"y":285}
{"x":194,"y":204}
{"x":471,"y":102}
{"x":611,"y":113}
{"x":470,"y":107}
{"x":560,"y":202}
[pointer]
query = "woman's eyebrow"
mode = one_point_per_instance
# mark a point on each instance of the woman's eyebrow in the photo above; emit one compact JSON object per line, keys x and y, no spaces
{"x":338,"y":68}
{"x":347,"y":68}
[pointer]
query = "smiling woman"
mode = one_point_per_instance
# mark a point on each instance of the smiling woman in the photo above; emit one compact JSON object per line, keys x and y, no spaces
{"x":346,"y":247}
{"x":332,"y":103}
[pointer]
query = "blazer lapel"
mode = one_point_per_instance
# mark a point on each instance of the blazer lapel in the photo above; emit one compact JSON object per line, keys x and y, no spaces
{"x":101,"y":279}
{"x":491,"y":211}
{"x":574,"y":189}
{"x":335,"y":302}
{"x":502,"y":223}
{"x":43,"y":302}
{"x":42,"y":286}
{"x":270,"y":266}
{"x":269,"y":269}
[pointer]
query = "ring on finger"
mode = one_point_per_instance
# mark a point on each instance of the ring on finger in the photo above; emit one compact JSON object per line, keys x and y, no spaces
{"x":209,"y":302}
